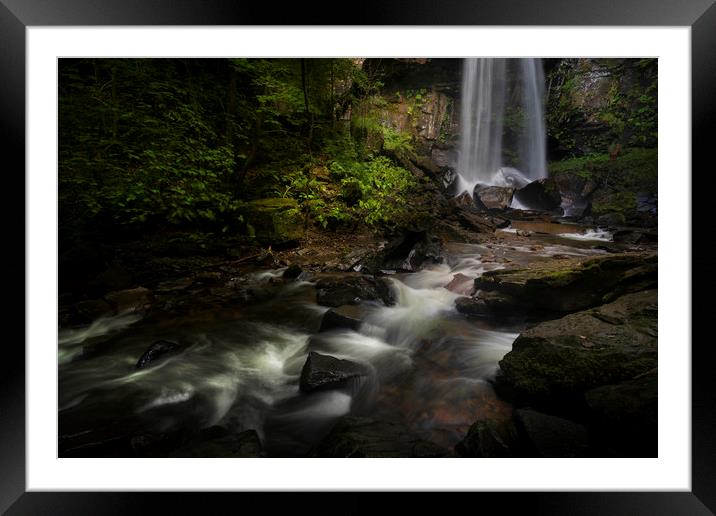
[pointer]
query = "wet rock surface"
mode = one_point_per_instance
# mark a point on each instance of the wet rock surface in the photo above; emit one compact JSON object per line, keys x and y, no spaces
{"x":321,"y":372}
{"x":333,"y":320}
{"x":543,"y":195}
{"x":492,"y":197}
{"x":159,"y":350}
{"x":567,"y":285}
{"x":352,"y":289}
{"x":364,"y":437}
{"x":553,"y":364}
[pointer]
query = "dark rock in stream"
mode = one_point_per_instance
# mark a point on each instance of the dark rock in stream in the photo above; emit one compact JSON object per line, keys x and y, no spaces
{"x":292,"y":272}
{"x":552,"y":365}
{"x":353,"y":289}
{"x":542,"y":195}
{"x":332,"y":320}
{"x":550,"y":436}
{"x":472,"y":306}
{"x":326,"y":372}
{"x":364,"y":437}
{"x":160,"y":349}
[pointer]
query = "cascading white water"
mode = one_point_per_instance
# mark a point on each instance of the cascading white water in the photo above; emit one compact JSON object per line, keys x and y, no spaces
{"x":485,"y":92}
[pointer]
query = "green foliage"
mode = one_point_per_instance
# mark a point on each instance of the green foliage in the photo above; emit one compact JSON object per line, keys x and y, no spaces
{"x":379,"y":187}
{"x":396,"y":141}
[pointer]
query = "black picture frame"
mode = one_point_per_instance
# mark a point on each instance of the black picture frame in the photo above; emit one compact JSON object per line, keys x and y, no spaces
{"x":17,"y":15}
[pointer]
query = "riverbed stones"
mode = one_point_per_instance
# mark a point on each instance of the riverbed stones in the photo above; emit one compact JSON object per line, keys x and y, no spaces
{"x":353,"y":289}
{"x":321,"y":372}
{"x":365,"y":437}
{"x":553,"y":364}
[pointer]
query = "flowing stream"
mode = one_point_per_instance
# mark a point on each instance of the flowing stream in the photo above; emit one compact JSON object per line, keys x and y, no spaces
{"x":430,"y":366}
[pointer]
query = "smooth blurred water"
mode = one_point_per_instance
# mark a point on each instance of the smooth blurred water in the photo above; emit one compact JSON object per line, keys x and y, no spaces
{"x":427,"y":364}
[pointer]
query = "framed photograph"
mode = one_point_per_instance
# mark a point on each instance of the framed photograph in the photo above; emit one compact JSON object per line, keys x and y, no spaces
{"x":415,"y":252}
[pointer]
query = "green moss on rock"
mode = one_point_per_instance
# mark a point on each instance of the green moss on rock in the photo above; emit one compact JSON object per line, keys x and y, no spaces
{"x":274,"y":221}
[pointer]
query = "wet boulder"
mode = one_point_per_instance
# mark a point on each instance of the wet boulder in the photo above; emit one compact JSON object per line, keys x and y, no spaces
{"x":408,"y":251}
{"x":549,"y":436}
{"x":472,"y":306}
{"x":333,"y":320}
{"x":492,"y":197}
{"x":292,"y":272}
{"x":322,"y":372}
{"x":542,"y":195}
{"x":461,"y":284}
{"x":364,"y":437}
{"x":553,"y":364}
{"x":353,"y":289}
{"x":158,"y":351}
{"x":130,"y":300}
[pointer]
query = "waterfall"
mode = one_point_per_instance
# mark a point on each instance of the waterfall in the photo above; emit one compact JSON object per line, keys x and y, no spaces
{"x":487,"y":89}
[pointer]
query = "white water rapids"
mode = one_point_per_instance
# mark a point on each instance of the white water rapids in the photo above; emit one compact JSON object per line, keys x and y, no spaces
{"x":429,"y":365}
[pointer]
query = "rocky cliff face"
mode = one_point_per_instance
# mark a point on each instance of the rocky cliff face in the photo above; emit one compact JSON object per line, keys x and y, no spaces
{"x":591,"y":105}
{"x":594,"y":104}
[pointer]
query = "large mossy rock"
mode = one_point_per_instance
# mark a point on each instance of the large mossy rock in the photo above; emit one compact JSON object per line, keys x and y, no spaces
{"x":274,"y":221}
{"x":566,"y":285}
{"x":363,"y":437}
{"x":553,"y":364}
